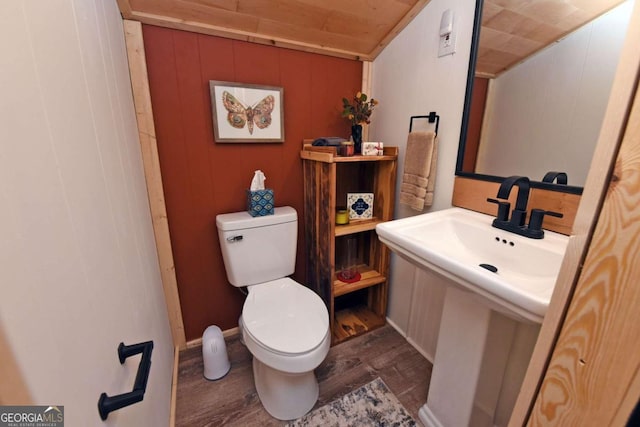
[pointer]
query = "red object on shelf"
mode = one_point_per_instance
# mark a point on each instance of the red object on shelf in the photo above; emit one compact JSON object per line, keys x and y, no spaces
{"x":352,"y":280}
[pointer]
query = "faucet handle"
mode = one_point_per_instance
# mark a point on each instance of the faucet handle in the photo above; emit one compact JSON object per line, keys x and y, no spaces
{"x":503,"y":209}
{"x":537,"y":216}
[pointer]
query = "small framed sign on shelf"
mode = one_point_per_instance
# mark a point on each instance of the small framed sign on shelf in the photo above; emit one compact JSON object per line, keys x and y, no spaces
{"x":360,"y":205}
{"x":372,"y":149}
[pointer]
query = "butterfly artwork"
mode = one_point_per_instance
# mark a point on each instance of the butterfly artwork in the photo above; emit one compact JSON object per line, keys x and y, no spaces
{"x":239,"y":115}
{"x":244,"y":112}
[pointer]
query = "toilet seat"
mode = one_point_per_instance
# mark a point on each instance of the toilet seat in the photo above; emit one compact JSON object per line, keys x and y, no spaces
{"x":285,"y":317}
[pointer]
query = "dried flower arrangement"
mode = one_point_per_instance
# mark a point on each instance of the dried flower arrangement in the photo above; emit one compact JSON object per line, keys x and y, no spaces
{"x":361,"y":109}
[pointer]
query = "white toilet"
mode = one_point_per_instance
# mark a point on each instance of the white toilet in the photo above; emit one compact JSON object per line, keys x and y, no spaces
{"x":284,"y":324}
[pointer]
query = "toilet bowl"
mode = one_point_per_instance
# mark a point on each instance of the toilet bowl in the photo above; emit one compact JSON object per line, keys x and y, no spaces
{"x":284,"y":324}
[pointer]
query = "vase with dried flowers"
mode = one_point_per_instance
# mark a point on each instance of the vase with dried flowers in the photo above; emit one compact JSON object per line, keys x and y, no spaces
{"x":358,"y":113}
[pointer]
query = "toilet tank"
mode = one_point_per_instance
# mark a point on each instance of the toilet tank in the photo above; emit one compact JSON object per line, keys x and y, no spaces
{"x":258,"y":249}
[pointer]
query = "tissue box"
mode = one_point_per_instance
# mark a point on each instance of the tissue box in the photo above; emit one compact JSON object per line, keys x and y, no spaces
{"x":260,"y":202}
{"x":372,"y":148}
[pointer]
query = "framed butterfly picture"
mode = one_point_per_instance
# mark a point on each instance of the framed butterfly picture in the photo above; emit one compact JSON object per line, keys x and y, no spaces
{"x":246,"y":113}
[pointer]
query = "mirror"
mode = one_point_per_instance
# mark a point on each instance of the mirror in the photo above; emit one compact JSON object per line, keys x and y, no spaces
{"x":540,"y":75}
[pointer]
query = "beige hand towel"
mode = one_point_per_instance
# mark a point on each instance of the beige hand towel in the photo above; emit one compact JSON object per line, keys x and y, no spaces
{"x":418,"y":178}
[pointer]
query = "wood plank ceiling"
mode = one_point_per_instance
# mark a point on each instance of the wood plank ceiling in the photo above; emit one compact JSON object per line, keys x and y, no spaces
{"x":359,"y":29}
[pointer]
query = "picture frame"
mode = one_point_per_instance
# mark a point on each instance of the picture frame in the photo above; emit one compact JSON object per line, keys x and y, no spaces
{"x":244,"y":112}
{"x":360,"y":205}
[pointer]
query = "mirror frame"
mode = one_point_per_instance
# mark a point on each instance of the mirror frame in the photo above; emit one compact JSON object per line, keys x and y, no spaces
{"x":473,"y":57}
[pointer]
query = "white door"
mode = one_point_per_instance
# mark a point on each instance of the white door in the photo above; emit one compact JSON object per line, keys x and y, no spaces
{"x":78,"y":266}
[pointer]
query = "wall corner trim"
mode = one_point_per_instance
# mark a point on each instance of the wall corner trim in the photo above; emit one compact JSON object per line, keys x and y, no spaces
{"x":149,"y":148}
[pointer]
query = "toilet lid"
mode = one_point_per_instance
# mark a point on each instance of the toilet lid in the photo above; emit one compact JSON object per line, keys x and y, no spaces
{"x":285,"y":316}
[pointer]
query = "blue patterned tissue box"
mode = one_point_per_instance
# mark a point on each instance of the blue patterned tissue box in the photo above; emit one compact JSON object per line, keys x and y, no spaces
{"x":260,"y":202}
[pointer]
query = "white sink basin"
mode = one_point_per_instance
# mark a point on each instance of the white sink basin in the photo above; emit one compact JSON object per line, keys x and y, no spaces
{"x":454,"y":242}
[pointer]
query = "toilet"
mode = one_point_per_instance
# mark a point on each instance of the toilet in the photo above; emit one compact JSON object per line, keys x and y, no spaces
{"x":284,"y":324}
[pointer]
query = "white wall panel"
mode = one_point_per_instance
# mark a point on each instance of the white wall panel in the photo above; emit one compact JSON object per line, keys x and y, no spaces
{"x":79,"y":267}
{"x":409,"y":79}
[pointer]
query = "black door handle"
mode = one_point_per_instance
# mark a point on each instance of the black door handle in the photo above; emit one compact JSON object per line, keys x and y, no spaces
{"x":107,"y":404}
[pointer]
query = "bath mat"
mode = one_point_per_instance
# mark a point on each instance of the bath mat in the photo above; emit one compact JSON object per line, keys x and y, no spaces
{"x":370,"y":405}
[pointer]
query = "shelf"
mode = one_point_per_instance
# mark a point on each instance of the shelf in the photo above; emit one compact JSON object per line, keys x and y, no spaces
{"x":344,"y":159}
{"x":357,"y":226}
{"x":329,"y":155}
{"x":369,"y":277}
{"x":353,"y":321}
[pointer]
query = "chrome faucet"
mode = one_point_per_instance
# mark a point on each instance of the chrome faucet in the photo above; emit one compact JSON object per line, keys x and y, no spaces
{"x":516,"y":224}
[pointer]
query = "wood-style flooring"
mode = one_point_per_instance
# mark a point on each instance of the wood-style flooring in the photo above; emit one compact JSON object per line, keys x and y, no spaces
{"x":232,"y":400}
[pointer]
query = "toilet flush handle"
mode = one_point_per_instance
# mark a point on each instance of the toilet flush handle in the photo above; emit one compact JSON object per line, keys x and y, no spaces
{"x":234,"y":239}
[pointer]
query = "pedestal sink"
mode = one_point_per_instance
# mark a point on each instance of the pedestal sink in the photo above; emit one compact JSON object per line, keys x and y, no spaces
{"x":488,"y":269}
{"x":510,"y":273}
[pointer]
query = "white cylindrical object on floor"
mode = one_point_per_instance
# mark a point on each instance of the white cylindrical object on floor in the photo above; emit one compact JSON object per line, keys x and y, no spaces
{"x":214,"y":354}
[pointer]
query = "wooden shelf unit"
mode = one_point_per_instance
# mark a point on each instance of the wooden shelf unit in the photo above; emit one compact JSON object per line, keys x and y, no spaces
{"x":354,"y":308}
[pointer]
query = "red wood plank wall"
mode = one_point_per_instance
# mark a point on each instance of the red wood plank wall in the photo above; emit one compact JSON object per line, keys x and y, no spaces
{"x":476,"y":115}
{"x":202,"y":178}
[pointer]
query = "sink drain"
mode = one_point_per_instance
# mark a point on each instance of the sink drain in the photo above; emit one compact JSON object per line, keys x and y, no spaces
{"x":491,"y":268}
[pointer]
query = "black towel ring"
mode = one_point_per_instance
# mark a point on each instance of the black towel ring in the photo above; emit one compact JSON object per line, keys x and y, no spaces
{"x":432,"y":117}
